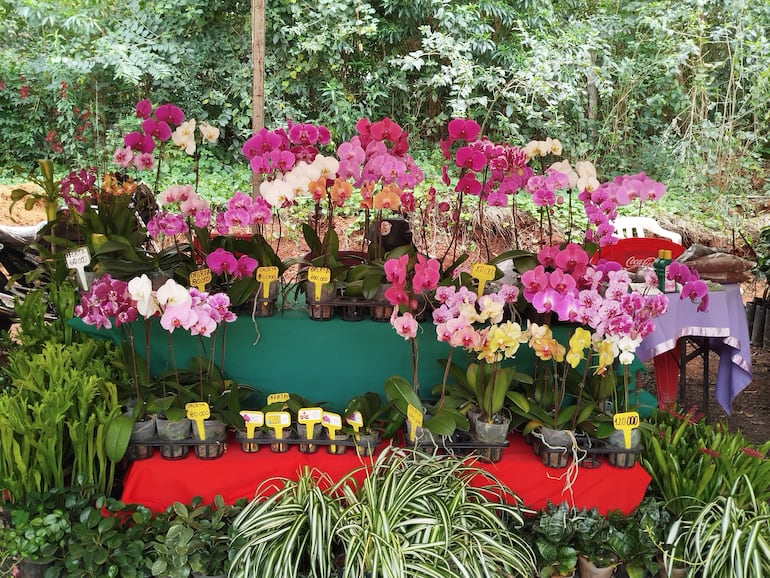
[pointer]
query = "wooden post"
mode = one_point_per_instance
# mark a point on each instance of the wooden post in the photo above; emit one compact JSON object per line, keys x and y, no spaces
{"x":258,"y":76}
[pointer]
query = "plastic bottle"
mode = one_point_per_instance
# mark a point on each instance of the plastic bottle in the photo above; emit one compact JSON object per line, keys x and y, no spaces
{"x":669,"y":285}
{"x":659,"y":265}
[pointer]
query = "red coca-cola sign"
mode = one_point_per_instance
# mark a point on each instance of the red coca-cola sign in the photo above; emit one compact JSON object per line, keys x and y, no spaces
{"x":636,"y":252}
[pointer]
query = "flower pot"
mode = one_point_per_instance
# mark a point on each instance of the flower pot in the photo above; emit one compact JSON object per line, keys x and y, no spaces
{"x":29,"y":568}
{"x":667,"y":571}
{"x":320,"y":309}
{"x":249,"y":444}
{"x":423,"y":437}
{"x":265,"y":306}
{"x":587,"y":569}
{"x":352,"y":310}
{"x":618,"y":457}
{"x":494,"y":432}
{"x":556,"y":447}
{"x":308,"y":448}
{"x":176,"y":430}
{"x":338,"y":449}
{"x":381,"y":310}
{"x":279,"y":447}
{"x":367,"y":443}
{"x":215,"y":433}
{"x":143,"y":431}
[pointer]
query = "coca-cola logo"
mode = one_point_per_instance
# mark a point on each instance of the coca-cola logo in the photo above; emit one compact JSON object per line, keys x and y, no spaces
{"x":633,"y":263}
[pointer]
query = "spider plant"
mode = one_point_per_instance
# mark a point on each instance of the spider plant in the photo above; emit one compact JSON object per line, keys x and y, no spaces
{"x":287,"y":530}
{"x":723,"y":537}
{"x":424,"y":515}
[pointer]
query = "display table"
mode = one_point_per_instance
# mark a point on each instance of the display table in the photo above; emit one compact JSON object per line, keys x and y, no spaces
{"x":723,"y":329}
{"x":157,"y":483}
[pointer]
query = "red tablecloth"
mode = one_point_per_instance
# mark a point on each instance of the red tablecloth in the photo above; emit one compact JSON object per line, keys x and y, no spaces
{"x":157,"y":483}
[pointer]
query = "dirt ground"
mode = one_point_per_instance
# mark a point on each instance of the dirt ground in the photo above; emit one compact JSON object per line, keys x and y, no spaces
{"x":751,"y":408}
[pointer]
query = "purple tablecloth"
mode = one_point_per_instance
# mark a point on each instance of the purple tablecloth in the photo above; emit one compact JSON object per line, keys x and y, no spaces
{"x":724,"y":324}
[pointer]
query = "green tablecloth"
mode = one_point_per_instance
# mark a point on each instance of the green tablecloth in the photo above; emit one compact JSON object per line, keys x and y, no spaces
{"x":324,"y":361}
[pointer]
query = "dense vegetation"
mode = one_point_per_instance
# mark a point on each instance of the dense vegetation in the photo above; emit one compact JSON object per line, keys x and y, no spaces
{"x":678,"y":88}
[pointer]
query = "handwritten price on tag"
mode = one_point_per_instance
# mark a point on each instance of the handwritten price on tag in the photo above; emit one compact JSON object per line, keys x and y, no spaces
{"x":78,"y":258}
{"x":626,"y":422}
{"x":200,"y":278}
{"x":414,"y":416}
{"x":198,"y":411}
{"x":277,"y":398}
{"x":483,"y":273}
{"x":318,"y":276}
{"x":265,"y":276}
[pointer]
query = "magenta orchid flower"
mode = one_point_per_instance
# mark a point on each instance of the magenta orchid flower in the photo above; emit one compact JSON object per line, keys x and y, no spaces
{"x":221,"y":261}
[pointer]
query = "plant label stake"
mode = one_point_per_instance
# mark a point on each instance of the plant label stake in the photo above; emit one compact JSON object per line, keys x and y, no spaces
{"x":277,"y":421}
{"x":265,"y":276}
{"x":200,"y":278}
{"x":626,"y":421}
{"x":277,"y":398}
{"x":356,"y":421}
{"x":252,"y":420}
{"x":318,"y":276}
{"x":79,"y":259}
{"x":309,"y":416}
{"x":414,"y":416}
{"x":197,"y":411}
{"x":333,"y":423}
{"x":482,"y":272}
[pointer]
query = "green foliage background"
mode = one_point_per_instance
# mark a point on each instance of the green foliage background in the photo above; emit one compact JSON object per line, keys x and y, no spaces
{"x":677,"y":88}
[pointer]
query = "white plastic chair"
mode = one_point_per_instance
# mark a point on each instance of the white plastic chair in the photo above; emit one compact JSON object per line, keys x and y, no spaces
{"x":627,"y":227}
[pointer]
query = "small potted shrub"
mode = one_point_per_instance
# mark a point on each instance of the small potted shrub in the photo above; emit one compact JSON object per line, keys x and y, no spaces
{"x":35,"y":538}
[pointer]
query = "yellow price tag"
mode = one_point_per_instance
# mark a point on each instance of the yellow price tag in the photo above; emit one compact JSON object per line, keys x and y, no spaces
{"x":625,"y":422}
{"x":333,"y":423}
{"x":277,"y":398}
{"x":414,"y":416}
{"x":198,"y":411}
{"x":483,"y":272}
{"x":318,"y":276}
{"x":278,"y":421}
{"x":200,"y":278}
{"x":265,"y":276}
{"x":309,"y":416}
{"x":356,"y":421}
{"x":252,"y":420}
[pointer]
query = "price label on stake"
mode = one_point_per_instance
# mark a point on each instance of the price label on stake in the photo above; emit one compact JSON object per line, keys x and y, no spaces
{"x":414,"y":416}
{"x":277,"y":398}
{"x":483,"y":273}
{"x":309,"y":416}
{"x":200,"y":278}
{"x":356,"y":421}
{"x":625,"y":422}
{"x":79,"y":259}
{"x":278,"y":421}
{"x":333,"y":423}
{"x":318,"y":276}
{"x":252,"y":420}
{"x":265,"y":276}
{"x":197,"y":411}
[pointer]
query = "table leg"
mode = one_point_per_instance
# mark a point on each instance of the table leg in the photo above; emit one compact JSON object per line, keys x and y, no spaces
{"x":667,"y":370}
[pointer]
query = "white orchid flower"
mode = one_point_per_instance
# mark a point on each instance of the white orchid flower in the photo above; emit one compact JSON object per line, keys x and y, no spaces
{"x":208,"y":132}
{"x":184,"y":136}
{"x":140,"y":289}
{"x":172,"y":294}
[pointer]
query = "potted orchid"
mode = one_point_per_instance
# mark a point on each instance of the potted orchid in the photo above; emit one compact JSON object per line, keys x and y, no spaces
{"x":478,"y":325}
{"x":411,"y":276}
